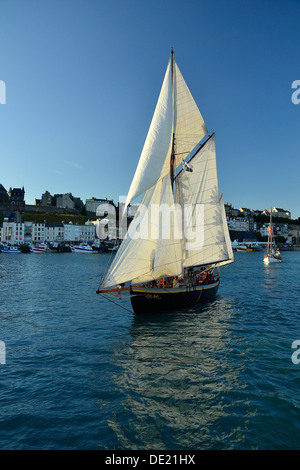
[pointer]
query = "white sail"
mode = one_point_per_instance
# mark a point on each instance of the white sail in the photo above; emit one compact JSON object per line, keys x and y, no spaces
{"x":168,"y":253}
{"x":189,"y":126}
{"x":152,"y":247}
{"x":227,"y":236}
{"x":157,"y":145}
{"x":197,"y":192}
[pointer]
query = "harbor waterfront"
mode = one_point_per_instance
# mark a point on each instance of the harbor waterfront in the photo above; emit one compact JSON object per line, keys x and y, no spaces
{"x":80,"y":372}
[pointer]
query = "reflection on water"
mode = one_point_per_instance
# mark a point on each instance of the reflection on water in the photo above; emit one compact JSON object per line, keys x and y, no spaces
{"x":83,"y":373}
{"x":271,"y":279}
{"x":176,"y":380}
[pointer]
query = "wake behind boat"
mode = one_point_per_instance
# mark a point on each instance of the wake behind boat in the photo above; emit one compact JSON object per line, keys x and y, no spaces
{"x":179,"y":234}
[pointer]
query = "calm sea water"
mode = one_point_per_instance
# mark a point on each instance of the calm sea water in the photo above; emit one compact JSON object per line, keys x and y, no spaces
{"x":82,"y":373}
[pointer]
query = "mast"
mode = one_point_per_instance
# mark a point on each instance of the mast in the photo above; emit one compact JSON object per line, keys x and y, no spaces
{"x":271,"y":232}
{"x":173,"y":136}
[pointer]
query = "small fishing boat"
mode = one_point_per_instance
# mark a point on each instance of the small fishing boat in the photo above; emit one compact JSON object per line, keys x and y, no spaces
{"x":244,"y":248}
{"x":9,"y":249}
{"x":40,"y":248}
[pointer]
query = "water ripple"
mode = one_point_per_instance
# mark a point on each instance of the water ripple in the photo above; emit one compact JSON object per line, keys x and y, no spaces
{"x":82,"y":373}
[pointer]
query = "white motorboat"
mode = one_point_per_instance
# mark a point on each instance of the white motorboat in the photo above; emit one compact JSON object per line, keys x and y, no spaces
{"x":83,"y":248}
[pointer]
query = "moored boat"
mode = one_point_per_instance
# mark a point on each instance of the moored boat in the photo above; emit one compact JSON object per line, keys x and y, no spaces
{"x":9,"y":249}
{"x":40,"y":248}
{"x":83,"y":248}
{"x":244,"y":248}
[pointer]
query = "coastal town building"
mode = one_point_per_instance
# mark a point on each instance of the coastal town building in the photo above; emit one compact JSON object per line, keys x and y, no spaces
{"x":46,"y":199}
{"x":13,"y":199}
{"x":277,"y":212}
{"x":16,"y":232}
{"x":38,"y":232}
{"x":78,"y":233}
{"x":17,"y":198}
{"x":68,"y":201}
{"x":294,"y":234}
{"x":240,"y":224}
{"x":54,"y":232}
{"x":4,"y":199}
{"x":12,"y":230}
{"x":60,"y":201}
{"x":230,"y":211}
{"x":91,"y":205}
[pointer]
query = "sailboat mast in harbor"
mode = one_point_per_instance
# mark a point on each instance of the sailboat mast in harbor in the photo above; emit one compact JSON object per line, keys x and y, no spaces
{"x":179,"y":234}
{"x":272,"y":256}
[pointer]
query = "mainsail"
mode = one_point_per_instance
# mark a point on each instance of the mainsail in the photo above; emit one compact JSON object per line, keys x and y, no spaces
{"x":181,"y":220}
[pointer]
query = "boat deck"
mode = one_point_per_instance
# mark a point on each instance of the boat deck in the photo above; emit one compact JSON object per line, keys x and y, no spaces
{"x":172,"y":290}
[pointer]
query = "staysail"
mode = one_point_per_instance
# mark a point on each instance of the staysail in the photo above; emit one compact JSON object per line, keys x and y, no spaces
{"x":173,"y":229}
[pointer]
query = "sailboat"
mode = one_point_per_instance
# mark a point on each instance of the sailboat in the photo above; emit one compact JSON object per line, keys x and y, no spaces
{"x":179,"y":236}
{"x":272,"y":255}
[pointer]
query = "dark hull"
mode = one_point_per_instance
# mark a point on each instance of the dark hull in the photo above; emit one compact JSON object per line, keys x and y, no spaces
{"x":154,"y":300}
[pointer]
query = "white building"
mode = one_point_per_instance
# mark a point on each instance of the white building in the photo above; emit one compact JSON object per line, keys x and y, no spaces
{"x":38,"y":232}
{"x":91,"y":205}
{"x":240,"y":224}
{"x":78,"y":233}
{"x":54,"y":232}
{"x":12,"y":232}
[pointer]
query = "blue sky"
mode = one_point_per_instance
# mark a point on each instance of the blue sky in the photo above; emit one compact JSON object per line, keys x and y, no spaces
{"x":83,"y":76}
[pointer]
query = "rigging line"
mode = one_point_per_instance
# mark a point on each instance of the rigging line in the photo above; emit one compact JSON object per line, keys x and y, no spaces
{"x":106,"y":298}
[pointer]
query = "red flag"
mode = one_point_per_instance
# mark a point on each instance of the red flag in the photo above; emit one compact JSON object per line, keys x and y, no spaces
{"x":270,"y":231}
